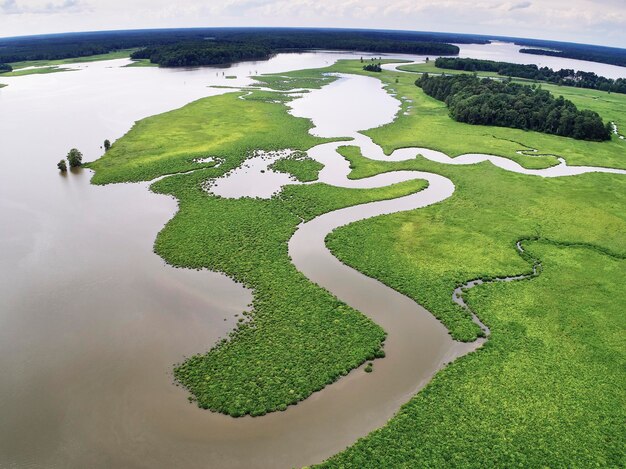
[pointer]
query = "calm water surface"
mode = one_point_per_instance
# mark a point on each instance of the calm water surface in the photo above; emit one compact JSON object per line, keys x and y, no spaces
{"x":91,"y":320}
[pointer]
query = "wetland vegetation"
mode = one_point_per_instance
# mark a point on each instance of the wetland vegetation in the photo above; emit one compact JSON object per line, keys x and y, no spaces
{"x":293,"y":321}
{"x":299,"y":165}
{"x":547,"y":387}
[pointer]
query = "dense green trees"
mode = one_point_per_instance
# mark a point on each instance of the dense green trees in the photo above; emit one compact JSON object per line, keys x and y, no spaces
{"x":193,"y":54}
{"x":373,"y":68}
{"x":75,"y":158}
{"x":505,"y":104}
{"x":605,"y":55}
{"x":257,"y":46}
{"x":566,"y":77}
{"x":5,"y":68}
{"x":62,"y":166}
{"x":63,"y":46}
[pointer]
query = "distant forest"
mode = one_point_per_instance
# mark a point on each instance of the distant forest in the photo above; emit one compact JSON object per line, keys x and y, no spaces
{"x":70,"y":45}
{"x":257,"y":46}
{"x":193,"y":54}
{"x":605,"y":55}
{"x":63,"y":46}
{"x":565,"y":77}
{"x":504,"y":104}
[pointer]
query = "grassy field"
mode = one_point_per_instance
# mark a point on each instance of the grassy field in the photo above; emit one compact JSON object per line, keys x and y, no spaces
{"x":35,"y":71}
{"x":309,"y":79}
{"x":56,"y":66}
{"x":546,"y":391}
{"x":611,"y":106}
{"x":229,"y":128}
{"x":430,"y":68}
{"x":141,"y":63}
{"x":425,"y":122}
{"x":118,"y":54}
{"x":293,"y":321}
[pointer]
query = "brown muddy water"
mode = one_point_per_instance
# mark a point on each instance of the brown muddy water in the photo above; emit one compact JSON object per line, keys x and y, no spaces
{"x":91,"y":321}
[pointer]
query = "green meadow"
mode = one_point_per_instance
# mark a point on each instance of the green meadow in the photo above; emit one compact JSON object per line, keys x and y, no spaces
{"x":118,"y":54}
{"x":611,"y":106}
{"x":221,"y":126}
{"x":56,"y":66}
{"x":35,"y":71}
{"x":141,"y":63}
{"x":300,"y":166}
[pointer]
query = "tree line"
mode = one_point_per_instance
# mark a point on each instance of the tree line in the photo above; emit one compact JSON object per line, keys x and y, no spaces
{"x":618,"y":57}
{"x":69,"y":45}
{"x":4,"y":68}
{"x":588,"y":52}
{"x":202,"y":53}
{"x":504,"y":104}
{"x":372,"y":68}
{"x":564,"y":77}
{"x":263,"y":46}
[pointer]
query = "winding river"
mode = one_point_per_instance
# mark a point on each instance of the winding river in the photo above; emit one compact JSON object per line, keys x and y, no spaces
{"x":417,"y":344}
{"x":91,"y":327}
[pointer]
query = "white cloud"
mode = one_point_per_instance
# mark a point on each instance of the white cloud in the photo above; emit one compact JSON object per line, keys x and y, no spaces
{"x":13,"y":7}
{"x":520,"y":6}
{"x":594,"y":21}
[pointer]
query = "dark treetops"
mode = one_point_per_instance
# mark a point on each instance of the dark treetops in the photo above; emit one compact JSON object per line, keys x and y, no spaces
{"x":565,"y":76}
{"x":504,"y":104}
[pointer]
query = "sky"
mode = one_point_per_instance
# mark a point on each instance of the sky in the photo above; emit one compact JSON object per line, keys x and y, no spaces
{"x":594,"y":22}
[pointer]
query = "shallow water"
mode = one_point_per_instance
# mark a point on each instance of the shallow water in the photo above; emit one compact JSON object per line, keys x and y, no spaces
{"x":91,"y":320}
{"x":507,"y":52}
{"x":253,"y":178}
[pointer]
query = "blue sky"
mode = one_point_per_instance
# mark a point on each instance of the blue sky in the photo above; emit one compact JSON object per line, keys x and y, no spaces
{"x":596,"y":22}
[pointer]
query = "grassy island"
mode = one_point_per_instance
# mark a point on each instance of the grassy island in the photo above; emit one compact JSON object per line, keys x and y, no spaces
{"x":293,"y":321}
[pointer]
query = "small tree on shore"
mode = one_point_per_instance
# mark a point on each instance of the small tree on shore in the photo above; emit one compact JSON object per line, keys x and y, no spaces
{"x":107,"y":145}
{"x":75,"y":158}
{"x":62,"y":166}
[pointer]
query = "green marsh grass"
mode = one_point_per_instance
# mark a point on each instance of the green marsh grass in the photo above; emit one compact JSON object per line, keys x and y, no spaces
{"x":300,"y":338}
